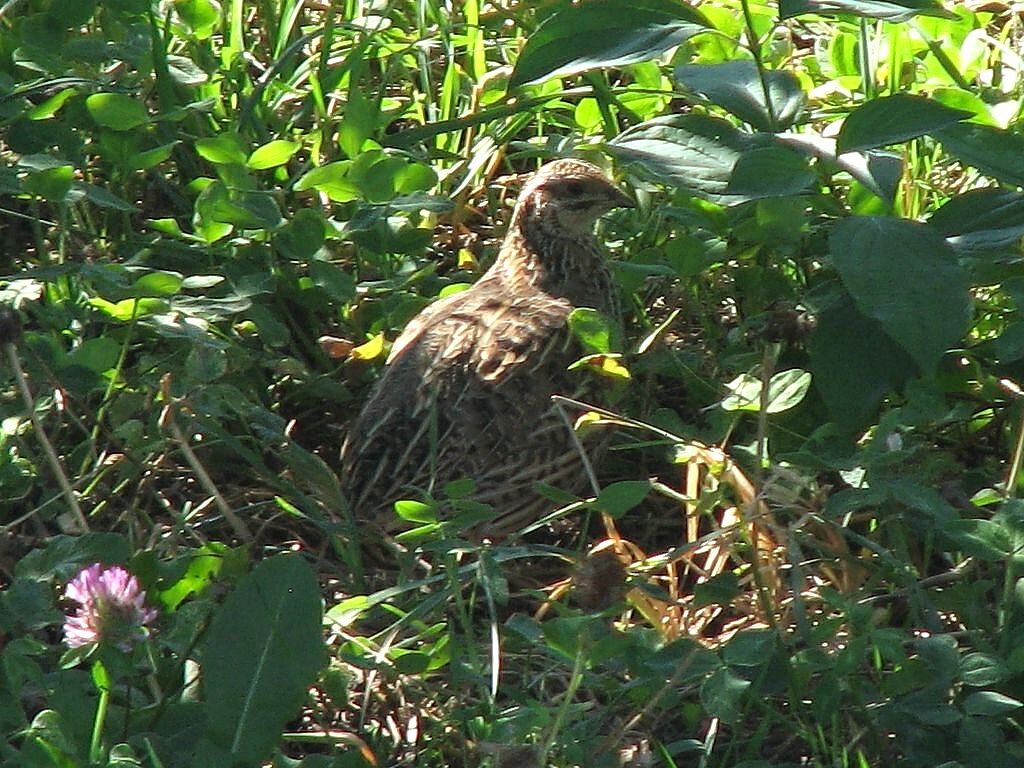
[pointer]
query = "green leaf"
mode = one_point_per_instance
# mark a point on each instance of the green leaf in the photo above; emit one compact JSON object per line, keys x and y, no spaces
{"x":97,"y":355}
{"x":785,"y":390}
{"x":722,"y":695}
{"x":263,"y":651}
{"x":982,"y":220}
{"x":750,"y":648}
{"x":225,"y":149}
{"x":338,"y":283}
{"x":618,"y":498}
{"x":893,"y":119}
{"x":774,"y":171}
{"x":117,"y":111}
{"x":905,"y":276}
{"x":689,"y":151}
{"x":202,"y":17}
{"x":854,"y":363}
{"x":993,"y":151}
{"x":51,"y":184}
{"x":101,"y":197}
{"x":63,"y":556}
{"x":982,"y":669}
{"x":990,"y":704}
{"x":593,"y":330}
{"x":272,"y":154}
{"x":737,"y":87}
{"x":302,"y":236}
{"x":143,"y":160}
{"x":331,"y":179}
{"x":157,"y":283}
{"x":872,"y":9}
{"x":603,"y":33}
{"x":416,"y":511}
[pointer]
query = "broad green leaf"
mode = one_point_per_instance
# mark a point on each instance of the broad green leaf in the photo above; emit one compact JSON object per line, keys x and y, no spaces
{"x":248,"y":209}
{"x":997,"y":539}
{"x":905,"y":276}
{"x":785,"y":390}
{"x":101,"y":197}
{"x":157,"y":283}
{"x":750,"y":648}
{"x":416,"y":511}
{"x":772,"y":171}
{"x":872,"y":9}
{"x":51,"y":184}
{"x":71,"y":13}
{"x":63,"y":556}
{"x":593,"y":330}
{"x":982,"y":669}
{"x":272,"y":154}
{"x":737,"y":87}
{"x":689,"y":151}
{"x":202,"y":17}
{"x":893,"y":119}
{"x":225,"y":149}
{"x":143,"y":160}
{"x":982,"y":220}
{"x":127,"y":310}
{"x":603,"y":33}
{"x":263,"y":651}
{"x":331,"y":179}
{"x":338,"y":283}
{"x":97,"y":355}
{"x":854,"y":363}
{"x":718,"y":590}
{"x":302,"y":236}
{"x":990,"y":704}
{"x":50,"y":106}
{"x":618,"y":498}
{"x":993,"y":151}
{"x":722,"y":695}
{"x":117,"y":111}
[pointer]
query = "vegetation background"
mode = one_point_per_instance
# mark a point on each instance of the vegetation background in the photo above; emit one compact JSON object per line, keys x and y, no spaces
{"x":806,"y":546}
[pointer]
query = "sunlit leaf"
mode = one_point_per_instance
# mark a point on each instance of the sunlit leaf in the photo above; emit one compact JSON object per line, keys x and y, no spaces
{"x":272,"y":154}
{"x":603,"y":33}
{"x":371,"y":350}
{"x":894,"y":119}
{"x":738,"y":87}
{"x":117,"y":111}
{"x":873,"y":9}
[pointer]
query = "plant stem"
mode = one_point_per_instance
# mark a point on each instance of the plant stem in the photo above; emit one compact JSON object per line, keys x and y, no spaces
{"x":102,"y":681}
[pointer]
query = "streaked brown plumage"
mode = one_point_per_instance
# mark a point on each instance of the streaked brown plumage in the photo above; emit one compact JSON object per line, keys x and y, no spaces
{"x":467,"y":390}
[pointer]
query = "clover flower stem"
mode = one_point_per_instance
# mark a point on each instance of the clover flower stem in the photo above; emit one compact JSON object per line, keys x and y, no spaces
{"x":102,"y":680}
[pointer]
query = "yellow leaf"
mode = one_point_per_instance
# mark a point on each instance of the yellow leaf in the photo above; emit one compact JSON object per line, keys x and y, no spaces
{"x":467,"y":260}
{"x":610,"y":366}
{"x":371,"y":350}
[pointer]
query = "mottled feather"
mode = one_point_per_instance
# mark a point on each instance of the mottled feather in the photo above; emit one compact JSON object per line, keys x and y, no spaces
{"x":468,"y":385}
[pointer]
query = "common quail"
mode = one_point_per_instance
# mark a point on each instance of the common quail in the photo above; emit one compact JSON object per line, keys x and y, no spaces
{"x":467,"y":389}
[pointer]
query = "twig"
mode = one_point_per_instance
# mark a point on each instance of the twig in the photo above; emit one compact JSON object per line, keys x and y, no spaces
{"x":51,"y":455}
{"x":167,"y":419}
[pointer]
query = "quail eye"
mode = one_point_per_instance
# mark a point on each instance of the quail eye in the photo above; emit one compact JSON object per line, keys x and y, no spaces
{"x":574,"y":188}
